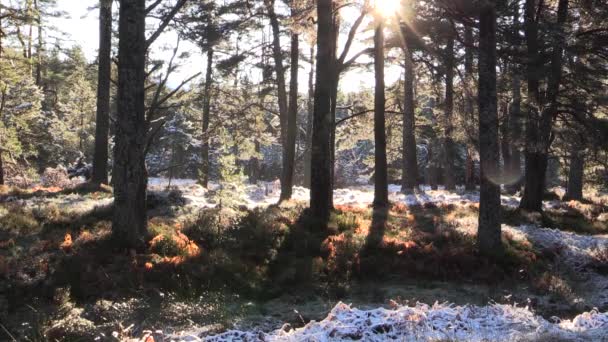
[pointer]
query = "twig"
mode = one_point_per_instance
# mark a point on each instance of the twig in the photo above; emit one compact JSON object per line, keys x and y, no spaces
{"x":7,"y":332}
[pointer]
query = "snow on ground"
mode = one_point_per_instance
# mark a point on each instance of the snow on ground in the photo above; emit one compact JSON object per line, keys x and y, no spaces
{"x":439,"y":322}
{"x":267,"y":193}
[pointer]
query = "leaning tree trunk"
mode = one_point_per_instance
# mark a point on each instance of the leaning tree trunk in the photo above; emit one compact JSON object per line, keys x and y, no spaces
{"x":448,"y":146}
{"x":574,"y":190}
{"x":102,"y":120}
{"x":409,"y":180}
{"x":381,"y":172}
{"x":205,"y":165}
{"x":469,"y":178}
{"x":130,"y":178}
{"x":320,"y":187}
{"x":311,"y":108}
{"x":488,"y":234}
{"x":292,"y":129}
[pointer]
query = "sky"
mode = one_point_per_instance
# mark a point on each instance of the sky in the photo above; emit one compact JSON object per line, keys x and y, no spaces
{"x":81,"y":28}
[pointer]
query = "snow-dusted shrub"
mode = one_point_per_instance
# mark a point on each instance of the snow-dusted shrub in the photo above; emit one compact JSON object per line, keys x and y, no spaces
{"x":55,"y":177}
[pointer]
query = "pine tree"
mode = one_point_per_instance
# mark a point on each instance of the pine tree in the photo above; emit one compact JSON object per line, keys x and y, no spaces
{"x":102,"y":120}
{"x":320,"y":185}
{"x":488,"y":234}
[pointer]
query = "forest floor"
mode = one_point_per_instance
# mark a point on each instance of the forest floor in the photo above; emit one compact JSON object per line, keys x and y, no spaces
{"x":227,"y":264}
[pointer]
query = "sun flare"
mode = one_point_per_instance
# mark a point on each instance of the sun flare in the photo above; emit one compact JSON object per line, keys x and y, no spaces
{"x":387,"y":8}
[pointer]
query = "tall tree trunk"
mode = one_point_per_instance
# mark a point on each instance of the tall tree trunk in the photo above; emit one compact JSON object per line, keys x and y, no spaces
{"x":102,"y":120}
{"x":515,"y":123}
{"x":488,"y":234}
{"x":39,"y":48}
{"x":311,"y":108}
{"x":292,"y":128}
{"x":281,"y":92}
{"x":204,"y":173}
{"x":538,"y":135}
{"x":574,"y":190}
{"x":130,"y":177}
{"x":536,"y":161}
{"x":469,"y":178}
{"x":448,"y":146}
{"x":320,"y":187}
{"x":409,"y":180}
{"x":335,"y":81}
{"x":381,"y":173}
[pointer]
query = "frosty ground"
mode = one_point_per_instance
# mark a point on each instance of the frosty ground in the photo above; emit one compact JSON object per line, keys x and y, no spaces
{"x":554,"y":286}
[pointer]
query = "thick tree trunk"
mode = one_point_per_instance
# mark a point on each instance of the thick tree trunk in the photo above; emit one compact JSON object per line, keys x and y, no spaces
{"x":102,"y":120}
{"x":292,"y":129}
{"x":409,"y":180}
{"x":574,"y":190}
{"x":489,"y":230}
{"x":320,"y":188}
{"x":205,"y":166}
{"x":311,"y":108}
{"x":381,"y":172}
{"x":448,"y":146}
{"x":130,"y":177}
{"x":540,"y":122}
{"x":469,"y":178}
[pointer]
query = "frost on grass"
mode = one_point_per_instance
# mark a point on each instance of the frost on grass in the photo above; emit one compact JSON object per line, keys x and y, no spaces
{"x":439,"y":322}
{"x":574,"y":251}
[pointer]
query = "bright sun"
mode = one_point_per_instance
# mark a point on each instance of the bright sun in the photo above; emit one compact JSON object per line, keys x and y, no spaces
{"x":387,"y":8}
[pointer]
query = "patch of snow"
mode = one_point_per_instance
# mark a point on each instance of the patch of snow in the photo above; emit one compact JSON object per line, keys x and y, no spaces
{"x":427,"y":323}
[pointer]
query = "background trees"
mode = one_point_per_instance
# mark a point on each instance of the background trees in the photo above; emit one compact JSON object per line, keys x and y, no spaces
{"x":426,"y":71}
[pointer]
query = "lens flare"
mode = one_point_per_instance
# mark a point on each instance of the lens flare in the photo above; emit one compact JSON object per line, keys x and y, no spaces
{"x":387,"y":8}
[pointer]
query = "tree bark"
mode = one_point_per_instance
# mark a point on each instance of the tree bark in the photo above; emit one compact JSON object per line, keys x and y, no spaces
{"x":320,"y":188}
{"x":130,"y":177}
{"x":311,"y":108}
{"x":204,"y":173}
{"x":102,"y":120}
{"x":489,"y":230}
{"x":448,"y":147}
{"x":381,"y":173}
{"x":574,"y":190}
{"x":292,"y":128}
{"x":469,"y":180}
{"x":409,"y":180}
